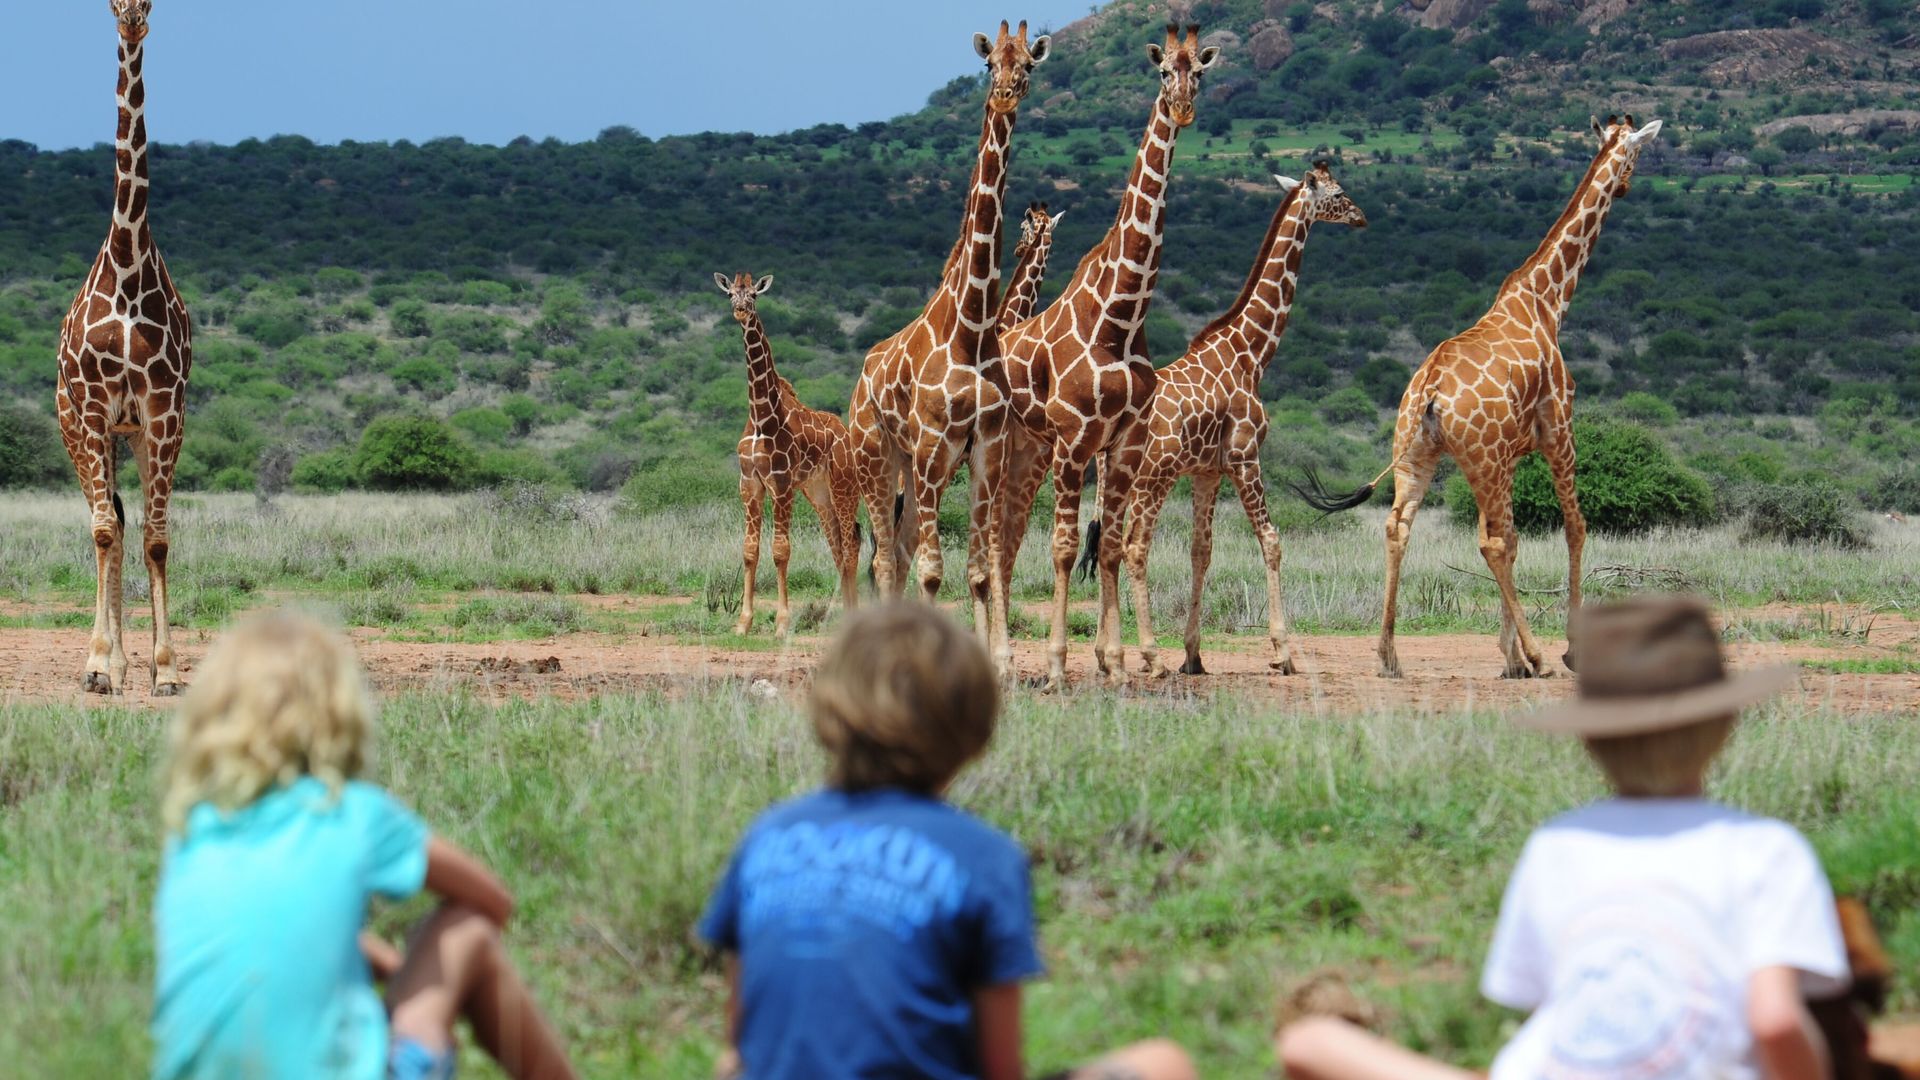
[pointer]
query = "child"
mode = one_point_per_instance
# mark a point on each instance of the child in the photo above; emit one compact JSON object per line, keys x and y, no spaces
{"x":872,"y":928}
{"x":1653,"y":934}
{"x":273,"y":849}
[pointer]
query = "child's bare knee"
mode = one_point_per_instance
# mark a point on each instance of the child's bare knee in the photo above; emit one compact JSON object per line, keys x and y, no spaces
{"x":1163,"y":1059}
{"x":1305,"y":1045}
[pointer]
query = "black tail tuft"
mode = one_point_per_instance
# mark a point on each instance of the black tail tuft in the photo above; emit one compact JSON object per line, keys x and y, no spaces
{"x":899,"y":509}
{"x":1317,"y":496}
{"x":1090,"y":553}
{"x":873,"y":546}
{"x":119,"y":511}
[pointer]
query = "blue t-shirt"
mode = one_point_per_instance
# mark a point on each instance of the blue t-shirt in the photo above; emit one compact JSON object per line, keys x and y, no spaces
{"x":864,"y":923}
{"x":257,"y":925}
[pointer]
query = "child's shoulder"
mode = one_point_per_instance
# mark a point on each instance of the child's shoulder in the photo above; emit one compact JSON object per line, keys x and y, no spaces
{"x":1656,"y":819}
{"x":935,"y":818}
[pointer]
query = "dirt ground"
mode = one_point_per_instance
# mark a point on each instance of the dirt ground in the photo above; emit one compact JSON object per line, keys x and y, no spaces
{"x":1444,"y":673}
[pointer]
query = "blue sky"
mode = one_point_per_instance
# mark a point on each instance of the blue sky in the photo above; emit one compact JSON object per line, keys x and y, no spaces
{"x":488,"y":70}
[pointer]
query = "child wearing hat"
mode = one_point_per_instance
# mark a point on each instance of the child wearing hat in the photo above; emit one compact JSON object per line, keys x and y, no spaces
{"x":872,"y":928}
{"x":1654,"y":933}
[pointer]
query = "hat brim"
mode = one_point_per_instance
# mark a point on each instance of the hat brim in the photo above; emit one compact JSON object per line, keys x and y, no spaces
{"x":1604,"y":717}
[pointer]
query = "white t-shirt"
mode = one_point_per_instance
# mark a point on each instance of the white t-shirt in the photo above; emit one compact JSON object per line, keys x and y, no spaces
{"x":1630,"y":929}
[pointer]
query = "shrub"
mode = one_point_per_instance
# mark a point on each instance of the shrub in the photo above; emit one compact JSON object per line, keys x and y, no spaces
{"x":324,"y":473}
{"x":1349,"y":405}
{"x":424,"y":375}
{"x":1627,"y":479}
{"x":1642,"y":407}
{"x":1384,"y":379}
{"x":518,"y":465}
{"x":412,"y":452}
{"x":31,"y":454}
{"x":676,"y":483}
{"x":1803,"y":513}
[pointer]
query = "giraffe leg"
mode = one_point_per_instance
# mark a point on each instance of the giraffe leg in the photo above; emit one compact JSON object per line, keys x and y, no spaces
{"x":979,"y":521}
{"x":1069,"y":471}
{"x":1411,"y":477}
{"x":1109,"y":647}
{"x":1206,"y":494}
{"x":750,"y":495}
{"x":1023,"y":470}
{"x":1149,"y":497}
{"x":156,"y":483}
{"x":1499,"y":546}
{"x":1560,"y":458}
{"x":878,"y":491}
{"x":819,"y":493}
{"x":1253,"y":499}
{"x":91,"y":449}
{"x":782,"y":554}
{"x":933,"y":468}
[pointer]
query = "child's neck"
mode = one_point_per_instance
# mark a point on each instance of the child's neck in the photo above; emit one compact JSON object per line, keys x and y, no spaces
{"x":1695,"y":790}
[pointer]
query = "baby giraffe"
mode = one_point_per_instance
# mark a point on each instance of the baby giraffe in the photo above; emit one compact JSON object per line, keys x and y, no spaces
{"x":1206,"y":418}
{"x":787,"y":447}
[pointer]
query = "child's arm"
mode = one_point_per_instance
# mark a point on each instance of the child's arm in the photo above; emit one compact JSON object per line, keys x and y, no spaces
{"x":1790,"y":1046}
{"x":383,"y":960}
{"x":728,"y":1067}
{"x":455,"y":875}
{"x":996,"y":1020}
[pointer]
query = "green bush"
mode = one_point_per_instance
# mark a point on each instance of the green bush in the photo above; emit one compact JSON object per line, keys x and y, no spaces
{"x":31,"y":454}
{"x":413,"y":452}
{"x":492,"y":468}
{"x":1627,"y":479}
{"x":324,"y":473}
{"x":1644,"y":408}
{"x":676,"y":483}
{"x":1803,"y":513}
{"x":1348,"y":405}
{"x":425,"y":375}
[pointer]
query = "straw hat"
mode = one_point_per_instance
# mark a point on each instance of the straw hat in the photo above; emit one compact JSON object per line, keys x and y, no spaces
{"x":1651,"y":665}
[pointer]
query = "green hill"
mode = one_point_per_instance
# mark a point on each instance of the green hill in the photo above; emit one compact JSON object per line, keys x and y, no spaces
{"x":552,"y":302}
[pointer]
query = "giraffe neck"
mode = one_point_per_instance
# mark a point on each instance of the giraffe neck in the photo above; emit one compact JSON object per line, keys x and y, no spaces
{"x":765,"y":403}
{"x":129,"y":240}
{"x":1544,"y":284}
{"x":972,"y":276}
{"x":1118,"y":276}
{"x":1023,"y":288}
{"x":1259,"y":315}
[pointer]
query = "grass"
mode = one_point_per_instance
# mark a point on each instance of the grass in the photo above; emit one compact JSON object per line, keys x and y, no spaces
{"x":395,"y":560}
{"x":1872,"y":665}
{"x":1191,"y":859}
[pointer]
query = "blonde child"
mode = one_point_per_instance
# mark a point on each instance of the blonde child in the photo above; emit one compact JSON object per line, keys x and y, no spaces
{"x":872,"y":928}
{"x":1654,"y":934}
{"x":274,"y":848}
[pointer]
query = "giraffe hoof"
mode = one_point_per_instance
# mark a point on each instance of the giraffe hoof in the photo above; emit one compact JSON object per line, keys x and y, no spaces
{"x":1390,"y":671}
{"x":1284,"y":667}
{"x":1193,"y":666}
{"x":169,"y":689}
{"x":97,"y":682}
{"x":1567,"y":659}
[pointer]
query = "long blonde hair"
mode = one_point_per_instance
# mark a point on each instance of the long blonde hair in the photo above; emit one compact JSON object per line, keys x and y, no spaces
{"x":278,"y":697}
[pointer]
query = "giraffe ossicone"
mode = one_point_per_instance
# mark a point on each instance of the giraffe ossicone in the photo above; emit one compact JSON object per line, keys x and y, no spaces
{"x":1495,"y":392}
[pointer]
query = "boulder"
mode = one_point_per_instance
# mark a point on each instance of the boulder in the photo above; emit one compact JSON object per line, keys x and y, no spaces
{"x":1270,"y":48}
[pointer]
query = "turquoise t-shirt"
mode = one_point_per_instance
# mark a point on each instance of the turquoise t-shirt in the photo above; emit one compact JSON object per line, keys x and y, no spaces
{"x":257,"y":925}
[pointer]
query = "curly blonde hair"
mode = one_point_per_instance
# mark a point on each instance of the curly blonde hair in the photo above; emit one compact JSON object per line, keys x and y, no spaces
{"x":279,"y":697}
{"x":903,"y":698}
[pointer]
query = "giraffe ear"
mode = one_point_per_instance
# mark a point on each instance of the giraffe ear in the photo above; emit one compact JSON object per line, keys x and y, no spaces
{"x":983,"y":45}
{"x":1154,"y":54}
{"x":720,"y":279}
{"x":760,"y":287}
{"x":1595,"y":122}
{"x":1041,"y":46}
{"x":1287,"y":183}
{"x":1054,"y":221}
{"x":1208,"y":55}
{"x":1644,"y":134}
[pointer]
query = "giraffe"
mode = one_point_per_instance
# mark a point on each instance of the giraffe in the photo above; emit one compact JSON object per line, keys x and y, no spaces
{"x":1078,"y":372}
{"x":126,"y":347}
{"x":1206,"y":418}
{"x":787,"y":447}
{"x":923,"y":392}
{"x":1489,"y":395}
{"x":1016,"y":305}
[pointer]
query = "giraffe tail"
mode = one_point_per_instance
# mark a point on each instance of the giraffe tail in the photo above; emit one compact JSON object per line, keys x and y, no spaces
{"x":1090,"y":551}
{"x":119,"y":510}
{"x":1316,"y":495}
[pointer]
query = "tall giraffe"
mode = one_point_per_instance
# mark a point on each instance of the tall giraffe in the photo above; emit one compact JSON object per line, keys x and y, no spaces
{"x":1206,"y":418}
{"x":923,"y":391}
{"x":1078,"y":372}
{"x":1030,"y":255}
{"x":125,"y":349}
{"x":1489,"y":395}
{"x":787,"y":447}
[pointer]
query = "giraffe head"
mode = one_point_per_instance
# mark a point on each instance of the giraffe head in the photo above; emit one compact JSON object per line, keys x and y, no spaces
{"x":132,"y":17}
{"x":1036,"y":227}
{"x":742,"y":290}
{"x":1325,"y":199}
{"x":1620,"y":146}
{"x":1180,"y":62}
{"x":1010,"y":63}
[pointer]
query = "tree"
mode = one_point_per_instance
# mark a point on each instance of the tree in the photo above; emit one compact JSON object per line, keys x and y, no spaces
{"x":1797,"y":139}
{"x":30,"y":451}
{"x":405,"y":453}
